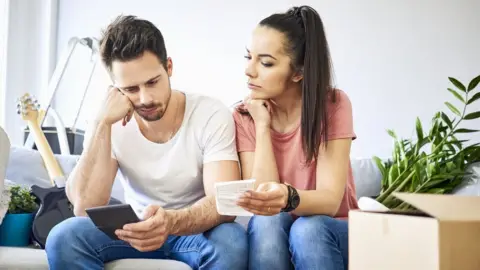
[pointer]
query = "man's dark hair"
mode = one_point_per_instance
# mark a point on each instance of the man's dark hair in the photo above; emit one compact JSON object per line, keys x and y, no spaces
{"x":128,"y":37}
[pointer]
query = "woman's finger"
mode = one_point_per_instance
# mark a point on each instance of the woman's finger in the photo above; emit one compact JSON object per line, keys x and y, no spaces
{"x":260,"y":203}
{"x":270,"y":211}
{"x":264,"y":195}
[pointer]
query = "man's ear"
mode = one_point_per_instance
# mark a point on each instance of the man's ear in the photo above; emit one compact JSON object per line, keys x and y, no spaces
{"x":298,"y":75}
{"x":169,"y":67}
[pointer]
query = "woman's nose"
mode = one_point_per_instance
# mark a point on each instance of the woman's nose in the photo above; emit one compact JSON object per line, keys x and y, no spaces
{"x":250,"y":71}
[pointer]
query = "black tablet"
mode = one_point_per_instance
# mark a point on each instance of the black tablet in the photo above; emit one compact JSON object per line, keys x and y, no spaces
{"x":112,"y":217}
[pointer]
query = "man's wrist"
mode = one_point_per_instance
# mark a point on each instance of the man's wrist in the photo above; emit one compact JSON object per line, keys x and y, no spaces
{"x":172,"y":219}
{"x":101,"y":122}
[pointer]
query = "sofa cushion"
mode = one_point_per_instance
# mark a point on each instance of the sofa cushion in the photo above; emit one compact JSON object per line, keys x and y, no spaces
{"x":367,"y":177}
{"x":29,"y":258}
{"x":26,"y":167}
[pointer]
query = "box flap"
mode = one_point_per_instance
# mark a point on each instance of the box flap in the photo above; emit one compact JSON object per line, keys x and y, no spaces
{"x":444,"y":207}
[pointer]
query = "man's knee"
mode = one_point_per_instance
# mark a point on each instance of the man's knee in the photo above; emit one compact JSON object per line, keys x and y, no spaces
{"x":232,"y":235}
{"x":230,"y":245}
{"x":65,"y":234}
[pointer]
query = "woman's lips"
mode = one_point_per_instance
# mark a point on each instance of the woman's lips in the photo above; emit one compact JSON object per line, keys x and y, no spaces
{"x":253,"y":86}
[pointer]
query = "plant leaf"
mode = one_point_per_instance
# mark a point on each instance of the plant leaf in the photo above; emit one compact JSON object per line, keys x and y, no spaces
{"x":419,"y":128}
{"x":473,"y":98}
{"x":392,"y":133}
{"x":473,"y":83}
{"x":465,"y":130}
{"x":457,"y":95}
{"x":453,"y":109}
{"x":380,"y":165}
{"x":436,"y":191}
{"x":457,"y":84}
{"x":447,"y":120}
{"x":471,"y":116}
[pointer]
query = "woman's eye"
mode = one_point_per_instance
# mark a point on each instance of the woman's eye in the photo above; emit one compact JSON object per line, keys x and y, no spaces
{"x":247,"y":57}
{"x":267,"y":64}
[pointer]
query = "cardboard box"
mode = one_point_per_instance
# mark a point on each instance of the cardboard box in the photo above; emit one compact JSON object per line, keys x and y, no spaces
{"x":443,"y":235}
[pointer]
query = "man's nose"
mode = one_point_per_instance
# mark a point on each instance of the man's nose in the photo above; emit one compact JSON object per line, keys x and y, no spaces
{"x":145,"y":96}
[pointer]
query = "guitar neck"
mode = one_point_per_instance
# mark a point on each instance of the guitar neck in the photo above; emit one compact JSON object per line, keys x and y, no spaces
{"x":53,"y":168}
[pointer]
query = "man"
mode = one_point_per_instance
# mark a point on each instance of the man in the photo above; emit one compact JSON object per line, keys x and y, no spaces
{"x":171,"y":147}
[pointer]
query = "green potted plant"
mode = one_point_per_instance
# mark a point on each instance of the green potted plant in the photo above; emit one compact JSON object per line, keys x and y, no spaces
{"x":16,"y":226}
{"x":435,"y":160}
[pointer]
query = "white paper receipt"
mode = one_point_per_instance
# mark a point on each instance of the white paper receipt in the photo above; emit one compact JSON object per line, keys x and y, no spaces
{"x":227,"y":194}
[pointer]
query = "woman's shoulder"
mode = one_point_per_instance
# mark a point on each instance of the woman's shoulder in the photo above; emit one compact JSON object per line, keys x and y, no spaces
{"x":241,"y":115}
{"x":338,"y":100}
{"x":339,"y":96}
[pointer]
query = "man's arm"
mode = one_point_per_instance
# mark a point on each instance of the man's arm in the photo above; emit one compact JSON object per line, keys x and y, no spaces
{"x":90,"y":183}
{"x":203,"y":215}
{"x":220,"y":164}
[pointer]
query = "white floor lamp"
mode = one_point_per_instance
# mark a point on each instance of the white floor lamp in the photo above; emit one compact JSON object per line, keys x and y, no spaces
{"x":58,"y":74}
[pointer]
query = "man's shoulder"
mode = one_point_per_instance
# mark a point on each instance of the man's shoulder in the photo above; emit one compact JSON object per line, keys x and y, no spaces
{"x":205,"y":102}
{"x":204,"y":107}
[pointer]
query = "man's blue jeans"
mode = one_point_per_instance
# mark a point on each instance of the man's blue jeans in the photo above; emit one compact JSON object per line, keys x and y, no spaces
{"x":314,"y":242}
{"x":77,"y":244}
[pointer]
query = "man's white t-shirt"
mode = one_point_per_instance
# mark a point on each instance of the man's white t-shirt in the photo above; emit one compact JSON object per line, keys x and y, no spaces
{"x":170,"y":174}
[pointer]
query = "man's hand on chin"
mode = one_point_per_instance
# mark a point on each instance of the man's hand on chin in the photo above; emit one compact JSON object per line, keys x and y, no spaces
{"x":149,"y":234}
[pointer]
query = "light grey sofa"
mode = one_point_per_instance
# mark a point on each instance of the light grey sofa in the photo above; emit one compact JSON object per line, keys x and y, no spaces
{"x":25,"y":167}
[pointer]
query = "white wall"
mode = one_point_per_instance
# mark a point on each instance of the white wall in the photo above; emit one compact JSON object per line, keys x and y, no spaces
{"x":30,"y":57}
{"x":3,"y":53}
{"x":391,"y":57}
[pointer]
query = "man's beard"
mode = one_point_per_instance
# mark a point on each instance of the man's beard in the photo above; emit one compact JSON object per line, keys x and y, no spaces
{"x":160,"y":111}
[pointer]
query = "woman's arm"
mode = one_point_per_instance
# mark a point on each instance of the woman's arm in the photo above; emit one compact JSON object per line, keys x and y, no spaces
{"x":332,"y":170}
{"x":332,"y":173}
{"x":261,"y":164}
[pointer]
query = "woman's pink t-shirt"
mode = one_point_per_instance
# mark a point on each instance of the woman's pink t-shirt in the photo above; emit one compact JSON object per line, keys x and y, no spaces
{"x":289,"y":153}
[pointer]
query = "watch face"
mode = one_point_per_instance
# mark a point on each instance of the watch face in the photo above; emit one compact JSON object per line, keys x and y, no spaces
{"x":295,"y":201}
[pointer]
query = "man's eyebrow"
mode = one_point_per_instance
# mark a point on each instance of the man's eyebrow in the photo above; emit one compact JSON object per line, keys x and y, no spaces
{"x":132,"y":86}
{"x":263,"y":54}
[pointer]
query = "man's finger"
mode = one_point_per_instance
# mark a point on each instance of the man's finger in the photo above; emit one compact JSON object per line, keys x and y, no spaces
{"x":146,"y":244}
{"x":141,"y":226}
{"x":130,"y":234}
{"x":149,"y":211}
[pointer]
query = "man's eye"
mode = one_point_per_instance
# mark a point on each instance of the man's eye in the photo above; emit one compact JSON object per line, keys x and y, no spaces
{"x":152,"y":82}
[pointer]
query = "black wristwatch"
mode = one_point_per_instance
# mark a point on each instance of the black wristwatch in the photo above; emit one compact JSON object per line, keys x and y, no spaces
{"x":293,"y":199}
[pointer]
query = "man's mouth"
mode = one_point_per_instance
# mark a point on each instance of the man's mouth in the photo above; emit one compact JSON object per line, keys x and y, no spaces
{"x":148,"y":110}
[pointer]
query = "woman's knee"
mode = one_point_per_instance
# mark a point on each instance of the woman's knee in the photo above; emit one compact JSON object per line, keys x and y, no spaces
{"x":317,"y":228}
{"x":314,"y":227}
{"x":270,"y":224}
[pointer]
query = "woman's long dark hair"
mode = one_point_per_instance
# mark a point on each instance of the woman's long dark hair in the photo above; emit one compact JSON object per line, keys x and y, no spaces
{"x":308,"y":48}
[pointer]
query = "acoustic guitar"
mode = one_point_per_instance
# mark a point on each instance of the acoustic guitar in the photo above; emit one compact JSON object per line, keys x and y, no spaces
{"x":54,"y":206}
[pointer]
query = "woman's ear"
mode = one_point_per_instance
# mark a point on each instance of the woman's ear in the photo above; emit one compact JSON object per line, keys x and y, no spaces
{"x":298,"y":75}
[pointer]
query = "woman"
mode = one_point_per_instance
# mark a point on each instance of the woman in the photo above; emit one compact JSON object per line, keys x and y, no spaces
{"x":294,"y":133}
